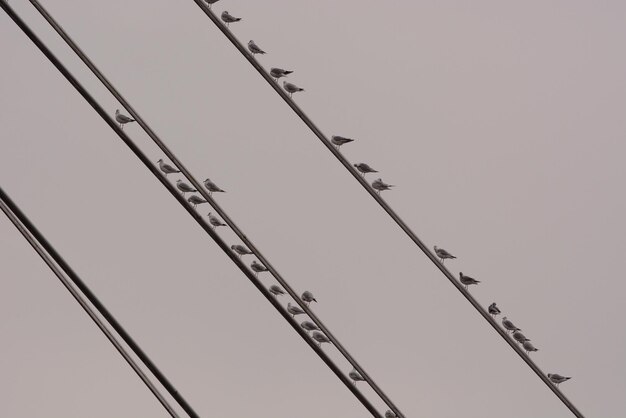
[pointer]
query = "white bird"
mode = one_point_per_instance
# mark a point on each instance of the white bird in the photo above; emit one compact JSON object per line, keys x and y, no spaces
{"x":355,"y":376}
{"x":338,"y":141}
{"x":493,"y":310}
{"x":215,"y":221}
{"x":309,"y":326}
{"x":210,"y":2}
{"x":195,"y":200}
{"x":390,"y":414}
{"x":212,"y":187}
{"x":519,"y":337}
{"x":276,"y":290}
{"x":257,"y":267}
{"x":379,"y":185}
{"x":184,"y":187}
{"x":166,"y":168}
{"x":508,"y":325}
{"x":443,"y":254}
{"x":294,"y":310}
{"x":279,"y":72}
{"x":240,"y":250}
{"x":228,"y":18}
{"x":557,"y":378}
{"x":254,"y":48}
{"x":122,"y":119}
{"x":364,"y":168}
{"x":320,"y":338}
{"x":467,"y":280}
{"x":291,"y":88}
{"x":308,"y":297}
{"x":528,"y":346}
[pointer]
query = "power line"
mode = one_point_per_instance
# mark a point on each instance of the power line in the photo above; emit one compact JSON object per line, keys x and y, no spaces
{"x":210,"y":200}
{"x":4,"y":200}
{"x":233,"y":39}
{"x":96,"y":106}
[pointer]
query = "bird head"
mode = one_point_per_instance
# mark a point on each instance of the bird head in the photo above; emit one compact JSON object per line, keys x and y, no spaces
{"x":117,"y":111}
{"x":504,"y":318}
{"x":179,"y":181}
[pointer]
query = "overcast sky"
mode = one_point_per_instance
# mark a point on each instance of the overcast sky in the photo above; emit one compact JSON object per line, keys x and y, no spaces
{"x":501,"y":123}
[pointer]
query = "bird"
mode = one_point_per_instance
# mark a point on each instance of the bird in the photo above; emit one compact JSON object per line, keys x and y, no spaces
{"x":355,"y":376}
{"x":228,"y":18}
{"x":212,"y":187}
{"x":294,"y":310}
{"x":320,"y":338}
{"x":390,"y":414}
{"x":467,"y":280}
{"x":240,"y":250}
{"x":308,"y":297}
{"x":528,"y":346}
{"x":215,"y":221}
{"x":291,"y":88}
{"x":195,"y":200}
{"x":379,"y":185}
{"x":557,"y":378}
{"x":257,"y":267}
{"x":254,"y":48}
{"x":276,"y":290}
{"x":309,"y":326}
{"x":493,"y":310}
{"x":122,"y":119}
{"x":338,"y":141}
{"x":508,"y":325}
{"x":364,"y":168}
{"x":166,"y":168}
{"x":210,"y":2}
{"x":279,"y":72}
{"x":184,"y":187}
{"x":519,"y":337}
{"x":443,"y":254}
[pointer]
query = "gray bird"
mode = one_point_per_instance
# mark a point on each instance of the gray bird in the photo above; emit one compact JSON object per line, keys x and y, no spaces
{"x":379,"y":185}
{"x":215,"y":221}
{"x":364,"y":168}
{"x":309,"y":326}
{"x":279,"y":72}
{"x":467,"y":280}
{"x":166,"y":168}
{"x":308,"y":297}
{"x":195,"y":200}
{"x":355,"y":376}
{"x":291,"y":88}
{"x":557,"y":378}
{"x":210,"y":2}
{"x":493,"y":310}
{"x":276,"y":290}
{"x":320,"y":338}
{"x":390,"y":414}
{"x":240,"y":250}
{"x":254,"y":48}
{"x":528,"y":346}
{"x":508,"y":325}
{"x":338,"y":141}
{"x":184,"y":187}
{"x":294,"y":310}
{"x":257,"y":267}
{"x":122,"y":119}
{"x":443,"y":254}
{"x":228,"y":18}
{"x":212,"y":187}
{"x":519,"y":337}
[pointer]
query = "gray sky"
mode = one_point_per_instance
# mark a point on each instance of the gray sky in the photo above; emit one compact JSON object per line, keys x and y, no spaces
{"x":501,"y":123}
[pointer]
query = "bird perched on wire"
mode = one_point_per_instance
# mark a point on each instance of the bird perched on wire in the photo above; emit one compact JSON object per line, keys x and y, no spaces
{"x":528,"y":346}
{"x":308,"y":297}
{"x":443,"y":254}
{"x":390,"y":414}
{"x":276,"y":290}
{"x":320,"y":338}
{"x":195,"y":200}
{"x":379,"y":185}
{"x":467,"y":280}
{"x":254,"y":48}
{"x":294,"y":310}
{"x":257,"y":267}
{"x":210,"y":2}
{"x":166,"y":168}
{"x":508,"y":325}
{"x":557,"y":378}
{"x":212,"y":187}
{"x":338,"y":141}
{"x":228,"y":18}
{"x":355,"y":376}
{"x":493,"y":310}
{"x":309,"y":326}
{"x":364,"y":168}
{"x":278,"y":73}
{"x":291,"y":88}
{"x":240,"y":250}
{"x":519,"y":337}
{"x":122,"y":119}
{"x":215,"y":221}
{"x":184,"y":187}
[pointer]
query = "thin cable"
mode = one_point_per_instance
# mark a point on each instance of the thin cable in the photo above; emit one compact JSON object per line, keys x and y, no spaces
{"x":209,"y":199}
{"x":382,"y":203}
{"x":94,"y":317}
{"x":199,"y":219}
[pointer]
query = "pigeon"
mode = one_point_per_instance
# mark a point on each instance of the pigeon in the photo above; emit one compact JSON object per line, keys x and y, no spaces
{"x":528,"y":346}
{"x":294,"y":310}
{"x":519,"y":337}
{"x":210,"y":2}
{"x":379,"y":185}
{"x":443,"y":254}
{"x":309,"y":326}
{"x":493,"y":310}
{"x":184,"y":187}
{"x":390,"y":414}
{"x":122,"y":119}
{"x":319,"y":337}
{"x":338,"y":141}
{"x":240,"y":250}
{"x":254,"y":48}
{"x":308,"y":297}
{"x":467,"y":280}
{"x":508,"y":325}
{"x":195,"y":200}
{"x":355,"y":376}
{"x":214,"y":221}
{"x":364,"y":168}
{"x":166,"y":168}
{"x":276,"y":290}
{"x":212,"y":187}
{"x":557,"y":378}
{"x":257,"y":267}
{"x":228,"y":18}
{"x":291,"y":88}
{"x":279,"y":72}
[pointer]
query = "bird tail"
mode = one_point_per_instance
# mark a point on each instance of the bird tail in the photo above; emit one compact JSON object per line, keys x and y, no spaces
{"x":288,"y":72}
{"x":238,"y":19}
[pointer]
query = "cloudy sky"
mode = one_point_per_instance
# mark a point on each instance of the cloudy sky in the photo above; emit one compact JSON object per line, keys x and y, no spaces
{"x":502,"y":125}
